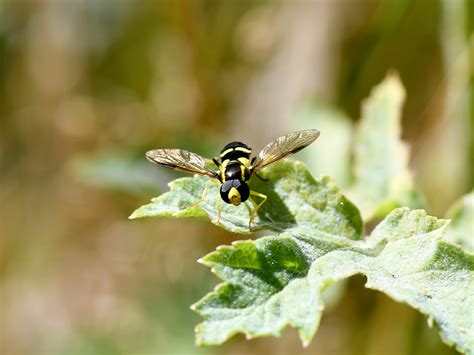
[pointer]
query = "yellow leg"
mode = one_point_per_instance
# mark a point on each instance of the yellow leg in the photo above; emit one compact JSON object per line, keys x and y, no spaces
{"x":206,"y":187}
{"x":256,"y":206}
{"x":218,"y":212}
{"x":218,"y":200}
{"x":204,"y":192}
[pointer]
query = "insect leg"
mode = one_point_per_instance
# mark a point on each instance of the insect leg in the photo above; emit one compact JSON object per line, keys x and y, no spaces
{"x":218,"y":211}
{"x":256,"y":206}
{"x":204,"y":192}
{"x":217,"y":161}
{"x":261,"y":178}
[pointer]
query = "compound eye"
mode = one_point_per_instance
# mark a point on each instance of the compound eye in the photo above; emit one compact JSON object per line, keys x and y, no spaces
{"x":234,"y":192}
{"x":244,"y":191}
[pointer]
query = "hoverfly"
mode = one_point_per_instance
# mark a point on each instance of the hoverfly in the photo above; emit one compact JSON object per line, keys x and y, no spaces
{"x":234,"y":165}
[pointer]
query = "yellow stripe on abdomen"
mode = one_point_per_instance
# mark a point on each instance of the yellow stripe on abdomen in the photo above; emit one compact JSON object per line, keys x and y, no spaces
{"x":242,"y":149}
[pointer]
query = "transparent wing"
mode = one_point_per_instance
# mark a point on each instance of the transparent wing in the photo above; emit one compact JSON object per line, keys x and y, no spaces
{"x":181,"y":160}
{"x":283,"y":147}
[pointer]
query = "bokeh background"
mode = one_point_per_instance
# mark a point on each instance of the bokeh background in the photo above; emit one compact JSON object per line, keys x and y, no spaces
{"x":87,"y":86}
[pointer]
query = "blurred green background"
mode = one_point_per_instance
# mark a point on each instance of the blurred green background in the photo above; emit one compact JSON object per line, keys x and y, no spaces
{"x":87,"y":86}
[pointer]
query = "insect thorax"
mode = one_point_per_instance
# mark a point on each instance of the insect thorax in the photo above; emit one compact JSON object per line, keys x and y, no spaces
{"x":234,"y":151}
{"x":235,"y":162}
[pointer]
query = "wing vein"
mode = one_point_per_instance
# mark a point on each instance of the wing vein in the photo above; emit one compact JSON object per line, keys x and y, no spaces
{"x":284,"y":146}
{"x":181,"y":160}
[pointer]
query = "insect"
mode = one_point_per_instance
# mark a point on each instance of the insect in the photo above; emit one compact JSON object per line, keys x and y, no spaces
{"x":235,"y":166}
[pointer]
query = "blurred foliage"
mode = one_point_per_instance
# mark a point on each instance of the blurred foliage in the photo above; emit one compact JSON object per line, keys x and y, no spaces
{"x":116,"y":171}
{"x":379,"y":178}
{"x":462,"y":219}
{"x":337,"y":138}
{"x":111,"y":79}
{"x":383,"y":179}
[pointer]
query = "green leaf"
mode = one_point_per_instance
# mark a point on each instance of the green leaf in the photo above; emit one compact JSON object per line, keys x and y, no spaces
{"x":461,"y":228}
{"x":417,"y":267}
{"x":266,"y":289}
{"x":278,"y":280}
{"x":382,"y":177}
{"x":295,"y":201}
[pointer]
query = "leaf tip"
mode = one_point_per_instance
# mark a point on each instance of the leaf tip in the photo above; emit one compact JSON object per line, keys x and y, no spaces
{"x":133,"y":215}
{"x":198,"y":340}
{"x":393,"y":79}
{"x":393,"y":75}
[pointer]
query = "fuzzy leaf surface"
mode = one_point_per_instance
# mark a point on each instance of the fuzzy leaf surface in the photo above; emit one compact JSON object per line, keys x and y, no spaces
{"x":278,"y":280}
{"x":295,"y":201}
